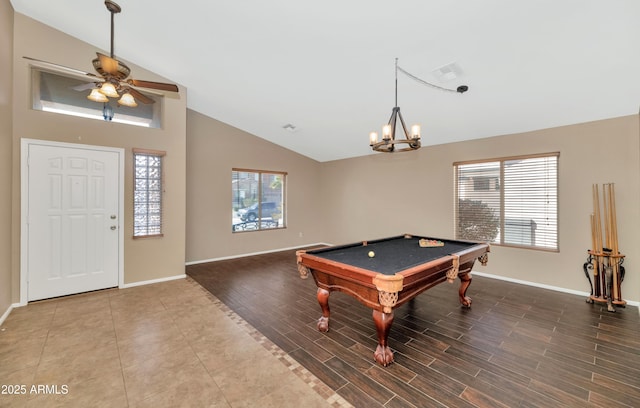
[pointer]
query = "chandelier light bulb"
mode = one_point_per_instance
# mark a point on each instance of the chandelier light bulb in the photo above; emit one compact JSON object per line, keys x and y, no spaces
{"x":386,"y":132}
{"x":415,"y":132}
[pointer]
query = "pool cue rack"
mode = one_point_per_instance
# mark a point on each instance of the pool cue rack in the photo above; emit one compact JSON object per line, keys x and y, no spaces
{"x":605,"y":260}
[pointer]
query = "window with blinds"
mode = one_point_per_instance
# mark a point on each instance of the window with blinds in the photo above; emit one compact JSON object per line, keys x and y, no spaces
{"x":147,"y":193}
{"x":510,"y":201}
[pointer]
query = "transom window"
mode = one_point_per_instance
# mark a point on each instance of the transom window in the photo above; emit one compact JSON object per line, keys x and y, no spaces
{"x":258,"y":200}
{"x":65,"y":94}
{"x":147,"y":193}
{"x":510,"y":201}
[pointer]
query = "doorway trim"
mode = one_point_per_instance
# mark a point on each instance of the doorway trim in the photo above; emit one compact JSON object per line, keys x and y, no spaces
{"x":24,"y":206}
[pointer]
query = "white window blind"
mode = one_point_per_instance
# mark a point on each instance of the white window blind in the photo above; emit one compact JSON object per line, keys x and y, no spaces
{"x":147,"y":193}
{"x":511,"y":201}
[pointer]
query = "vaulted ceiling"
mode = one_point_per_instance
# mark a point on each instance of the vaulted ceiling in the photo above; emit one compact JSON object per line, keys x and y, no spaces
{"x":327,"y":68}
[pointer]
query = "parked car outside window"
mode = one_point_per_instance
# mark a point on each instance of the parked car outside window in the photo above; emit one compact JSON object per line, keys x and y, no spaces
{"x":252,"y":212}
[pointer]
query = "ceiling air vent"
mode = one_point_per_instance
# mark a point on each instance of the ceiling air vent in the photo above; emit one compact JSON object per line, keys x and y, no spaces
{"x":289,"y":127}
{"x":447,"y":72}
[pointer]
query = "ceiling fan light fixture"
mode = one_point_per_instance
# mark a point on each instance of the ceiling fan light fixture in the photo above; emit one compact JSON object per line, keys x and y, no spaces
{"x":127,"y":100}
{"x":109,"y":90}
{"x":113,"y":81}
{"x":97,"y":96}
{"x":107,"y":112}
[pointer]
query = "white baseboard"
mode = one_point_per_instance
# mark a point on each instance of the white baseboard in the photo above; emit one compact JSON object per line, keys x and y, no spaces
{"x":8,"y":312}
{"x":149,"y":282}
{"x":543,"y":286}
{"x":253,"y":253}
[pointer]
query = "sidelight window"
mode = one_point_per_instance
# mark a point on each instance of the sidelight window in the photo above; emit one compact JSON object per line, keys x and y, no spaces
{"x":147,"y":193}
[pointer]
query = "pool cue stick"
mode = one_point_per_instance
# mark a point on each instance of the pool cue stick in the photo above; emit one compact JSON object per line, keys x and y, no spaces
{"x":598,"y":243}
{"x":606,"y":198}
{"x":617,"y":290}
{"x":614,"y":250}
{"x":618,"y":264}
{"x":595,"y":289}
{"x":612,"y":243}
{"x":596,"y":206}
{"x":601,"y":264}
{"x":605,"y":208}
{"x":596,"y":277}
{"x":614,"y":221}
{"x":593,"y":233}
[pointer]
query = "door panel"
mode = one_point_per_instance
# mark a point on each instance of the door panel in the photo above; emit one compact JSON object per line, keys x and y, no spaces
{"x":73,"y":204}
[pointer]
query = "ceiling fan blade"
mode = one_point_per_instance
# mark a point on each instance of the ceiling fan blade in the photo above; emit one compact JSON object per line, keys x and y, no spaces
{"x":153,"y":85}
{"x":109,"y":65}
{"x":84,"y":87}
{"x":62,"y":67}
{"x":139,"y":96}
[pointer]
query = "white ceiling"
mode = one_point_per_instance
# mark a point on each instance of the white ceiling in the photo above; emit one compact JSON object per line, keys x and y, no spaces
{"x":328,"y":67}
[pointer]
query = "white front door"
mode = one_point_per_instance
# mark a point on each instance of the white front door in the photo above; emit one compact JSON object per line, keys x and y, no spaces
{"x":72,"y":219}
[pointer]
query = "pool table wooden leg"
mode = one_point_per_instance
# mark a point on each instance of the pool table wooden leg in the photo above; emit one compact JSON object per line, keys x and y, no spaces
{"x":465,"y":281}
{"x":383,"y":321}
{"x":323,"y":299}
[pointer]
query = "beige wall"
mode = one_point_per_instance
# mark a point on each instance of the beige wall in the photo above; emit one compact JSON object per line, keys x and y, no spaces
{"x":144,"y":259}
{"x":335,"y":202}
{"x":415,"y":189}
{"x":415,"y":192}
{"x":213,"y":149}
{"x":6,"y":67}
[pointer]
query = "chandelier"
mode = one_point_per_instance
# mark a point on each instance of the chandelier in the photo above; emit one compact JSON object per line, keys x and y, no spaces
{"x":411,"y":140}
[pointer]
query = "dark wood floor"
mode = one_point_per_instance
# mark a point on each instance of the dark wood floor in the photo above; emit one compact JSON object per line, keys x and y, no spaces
{"x":517,"y":346}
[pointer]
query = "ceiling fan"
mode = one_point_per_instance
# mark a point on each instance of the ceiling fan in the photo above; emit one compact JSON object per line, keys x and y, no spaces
{"x":114,"y":80}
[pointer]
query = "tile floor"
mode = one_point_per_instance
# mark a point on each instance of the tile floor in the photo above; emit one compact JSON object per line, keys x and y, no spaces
{"x":168,"y":344}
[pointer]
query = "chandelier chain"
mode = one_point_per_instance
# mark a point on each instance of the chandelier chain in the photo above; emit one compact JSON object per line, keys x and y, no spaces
{"x":422,"y":81}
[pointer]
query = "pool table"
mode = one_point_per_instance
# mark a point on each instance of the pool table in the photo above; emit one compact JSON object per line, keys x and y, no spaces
{"x":385,"y":273}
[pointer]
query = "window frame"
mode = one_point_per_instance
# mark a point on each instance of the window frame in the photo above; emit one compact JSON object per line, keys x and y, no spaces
{"x":500,"y":187}
{"x":245,"y":226}
{"x":161,"y":155}
{"x":76,"y":103}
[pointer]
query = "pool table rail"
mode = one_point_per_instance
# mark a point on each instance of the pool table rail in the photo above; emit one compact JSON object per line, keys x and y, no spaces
{"x":335,"y":276}
{"x":383,"y":292}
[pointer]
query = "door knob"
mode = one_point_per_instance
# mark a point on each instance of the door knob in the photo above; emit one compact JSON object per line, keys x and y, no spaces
{"x":113,"y":227}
